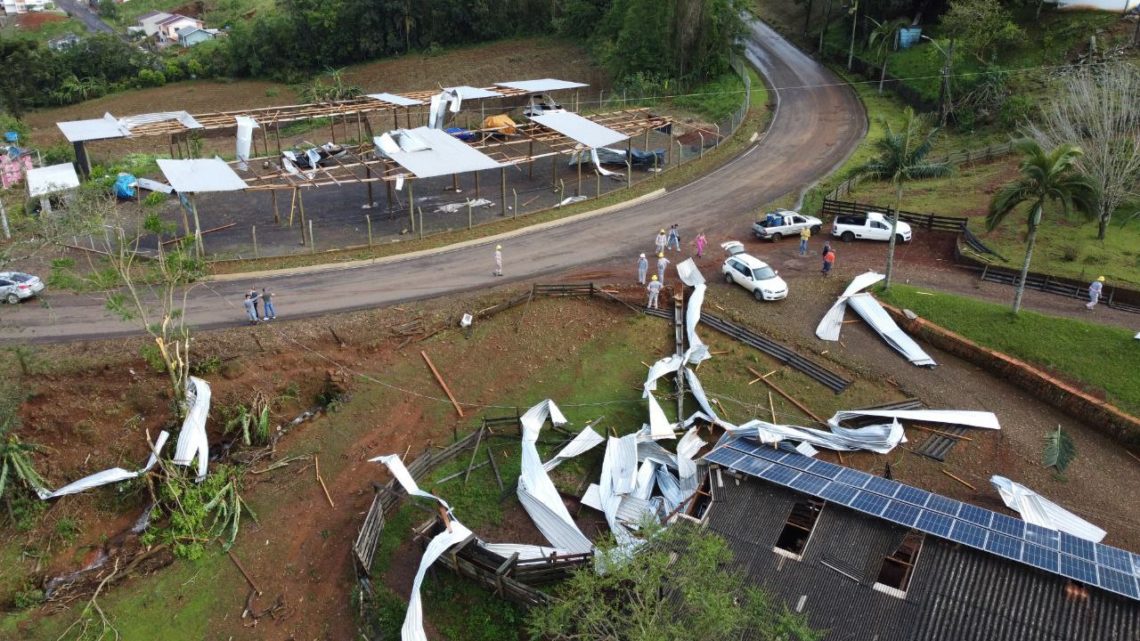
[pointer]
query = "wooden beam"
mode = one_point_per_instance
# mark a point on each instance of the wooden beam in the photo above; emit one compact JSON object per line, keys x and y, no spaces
{"x":458,"y":410}
{"x":776,"y":388}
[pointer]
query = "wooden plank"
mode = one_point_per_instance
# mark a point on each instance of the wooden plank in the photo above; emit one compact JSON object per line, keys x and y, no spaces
{"x":781,"y":392}
{"x":958,"y":479}
{"x":458,"y":410}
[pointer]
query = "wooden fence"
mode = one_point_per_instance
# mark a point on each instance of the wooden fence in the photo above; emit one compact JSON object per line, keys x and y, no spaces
{"x":957,"y":158}
{"x":926,"y":221}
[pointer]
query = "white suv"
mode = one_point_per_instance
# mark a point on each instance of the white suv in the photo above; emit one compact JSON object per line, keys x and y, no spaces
{"x":752,"y":274}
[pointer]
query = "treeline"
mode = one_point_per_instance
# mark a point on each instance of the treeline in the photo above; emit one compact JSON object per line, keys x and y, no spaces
{"x":658,"y":43}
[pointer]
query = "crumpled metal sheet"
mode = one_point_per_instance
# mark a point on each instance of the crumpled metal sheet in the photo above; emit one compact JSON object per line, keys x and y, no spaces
{"x":193,"y":442}
{"x":1038,"y":510}
{"x":698,"y":392}
{"x":866,"y":306}
{"x":967,"y":418}
{"x":832,"y":322}
{"x":659,"y":425}
{"x":585,"y":441}
{"x":876,"y":438}
{"x":106,"y":477}
{"x":691,"y":275}
{"x":536,"y":491}
{"x":413,"y":627}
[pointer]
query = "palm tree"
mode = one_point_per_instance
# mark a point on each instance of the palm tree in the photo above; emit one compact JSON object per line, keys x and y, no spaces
{"x":902,"y":158}
{"x":1046,"y":176}
{"x":881,"y":41}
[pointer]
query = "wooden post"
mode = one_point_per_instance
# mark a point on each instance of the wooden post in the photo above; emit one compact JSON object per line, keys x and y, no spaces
{"x":530,"y":165}
{"x":197,"y":226}
{"x":553,"y":171}
{"x":301,"y":207}
{"x":628,"y":173}
{"x":701,"y":154}
{"x":579,"y":192}
{"x":503,"y":191}
{"x":598,"y":185}
{"x":781,"y":392}
{"x":312,"y":242}
{"x":253,"y":231}
{"x":276,"y":212}
{"x":476,"y":185}
{"x":368,"y":175}
{"x":421,"y":210}
{"x":368,"y":221}
{"x":469,"y":225}
{"x":515,"y":211}
{"x":412,"y":205}
{"x":292,"y":206}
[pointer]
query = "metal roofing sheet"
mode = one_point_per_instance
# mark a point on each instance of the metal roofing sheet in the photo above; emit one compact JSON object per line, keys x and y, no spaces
{"x":103,"y":128}
{"x":544,"y":84}
{"x":200,"y":175}
{"x":444,"y":155}
{"x":395,"y":99}
{"x":576,"y":127}
{"x":473,"y":93}
{"x":49,"y":180}
{"x":183,"y":117}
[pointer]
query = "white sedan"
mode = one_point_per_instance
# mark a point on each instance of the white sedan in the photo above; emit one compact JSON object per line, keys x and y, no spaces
{"x":752,"y":274}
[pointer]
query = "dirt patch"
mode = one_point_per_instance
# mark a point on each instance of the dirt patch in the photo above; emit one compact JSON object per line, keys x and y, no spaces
{"x":35,"y":20}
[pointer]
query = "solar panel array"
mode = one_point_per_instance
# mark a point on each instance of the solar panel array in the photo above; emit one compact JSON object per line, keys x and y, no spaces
{"x":1056,"y":552}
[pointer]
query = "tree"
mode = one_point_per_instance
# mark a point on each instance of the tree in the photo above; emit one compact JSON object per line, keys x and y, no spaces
{"x":678,"y":586}
{"x":983,"y":26}
{"x":153,"y":293}
{"x":881,"y":41}
{"x":902,"y":158}
{"x":1096,"y":108}
{"x":1047,"y":176}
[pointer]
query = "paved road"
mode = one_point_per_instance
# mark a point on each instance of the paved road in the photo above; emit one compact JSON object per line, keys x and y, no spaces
{"x":82,"y":12}
{"x":818,"y":122}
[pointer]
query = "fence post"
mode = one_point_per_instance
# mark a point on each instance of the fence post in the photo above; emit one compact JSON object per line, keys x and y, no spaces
{"x":312,"y":241}
{"x":929,"y":220}
{"x":368,"y":220}
{"x":253,"y":230}
{"x":702,"y":152}
{"x":468,"y":213}
{"x":515,"y":211}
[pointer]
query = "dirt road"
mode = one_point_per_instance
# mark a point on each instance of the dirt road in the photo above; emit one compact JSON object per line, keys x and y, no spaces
{"x":817,"y":123}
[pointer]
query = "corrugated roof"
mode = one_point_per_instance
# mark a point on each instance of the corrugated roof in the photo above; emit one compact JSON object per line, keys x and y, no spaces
{"x":49,"y":180}
{"x":200,"y":175}
{"x":394,"y":99}
{"x":573,"y":126}
{"x":539,"y":86}
{"x":104,"y":128}
{"x":443,"y":155}
{"x":467,"y":92}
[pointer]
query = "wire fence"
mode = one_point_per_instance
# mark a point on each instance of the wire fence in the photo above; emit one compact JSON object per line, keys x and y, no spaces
{"x":956,"y":159}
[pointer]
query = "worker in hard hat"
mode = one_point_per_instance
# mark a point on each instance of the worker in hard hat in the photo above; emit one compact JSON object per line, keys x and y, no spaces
{"x":654,"y":288}
{"x":498,"y":261}
{"x":1094,"y":292}
{"x":662,"y":263}
{"x":660,"y":241}
{"x":642,"y":269}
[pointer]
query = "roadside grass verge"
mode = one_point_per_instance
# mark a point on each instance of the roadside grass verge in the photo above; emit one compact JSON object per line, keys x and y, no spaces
{"x":1097,"y":356}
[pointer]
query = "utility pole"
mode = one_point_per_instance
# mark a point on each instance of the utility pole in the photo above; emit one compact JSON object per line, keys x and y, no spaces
{"x":944,"y":108}
{"x":807,"y":18}
{"x":826,"y":21}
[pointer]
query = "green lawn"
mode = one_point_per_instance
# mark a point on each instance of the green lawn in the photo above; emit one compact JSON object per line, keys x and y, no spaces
{"x":1097,"y":356}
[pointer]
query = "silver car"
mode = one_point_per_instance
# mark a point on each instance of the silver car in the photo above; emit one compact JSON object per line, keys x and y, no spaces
{"x":16,"y":286}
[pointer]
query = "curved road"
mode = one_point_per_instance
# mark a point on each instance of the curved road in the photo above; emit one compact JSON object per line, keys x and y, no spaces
{"x":818,"y":122}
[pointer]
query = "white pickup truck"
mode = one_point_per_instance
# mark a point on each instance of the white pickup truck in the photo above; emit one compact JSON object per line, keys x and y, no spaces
{"x":783,"y":223}
{"x":871,"y":226}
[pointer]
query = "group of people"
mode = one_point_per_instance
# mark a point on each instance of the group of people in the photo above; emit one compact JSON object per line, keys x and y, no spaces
{"x":265,"y":297}
{"x":666,"y":240}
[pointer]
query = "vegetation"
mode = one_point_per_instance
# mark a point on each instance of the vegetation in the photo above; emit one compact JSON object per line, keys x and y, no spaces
{"x":678,"y":586}
{"x":982,"y":26}
{"x":199,"y":513}
{"x":1097,"y":356}
{"x":902,"y":158}
{"x":1046,"y":176}
{"x":1059,"y":450}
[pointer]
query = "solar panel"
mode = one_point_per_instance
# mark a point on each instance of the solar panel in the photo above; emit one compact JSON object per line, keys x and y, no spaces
{"x":1059,"y":553}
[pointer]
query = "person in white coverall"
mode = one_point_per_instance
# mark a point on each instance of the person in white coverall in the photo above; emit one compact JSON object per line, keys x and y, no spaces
{"x":498,"y":261}
{"x":642,"y":269}
{"x":662,"y":263}
{"x":654,"y":288}
{"x":660,"y":241}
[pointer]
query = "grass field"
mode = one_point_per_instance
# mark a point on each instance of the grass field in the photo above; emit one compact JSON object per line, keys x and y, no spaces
{"x":1097,"y":355}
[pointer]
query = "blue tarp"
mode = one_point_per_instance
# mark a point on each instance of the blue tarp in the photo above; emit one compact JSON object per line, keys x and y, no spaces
{"x":125,"y":186}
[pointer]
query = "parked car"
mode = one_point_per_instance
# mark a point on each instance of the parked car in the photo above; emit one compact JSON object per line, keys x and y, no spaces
{"x":871,"y":226}
{"x":783,"y":222}
{"x":752,"y":274}
{"x":16,"y":286}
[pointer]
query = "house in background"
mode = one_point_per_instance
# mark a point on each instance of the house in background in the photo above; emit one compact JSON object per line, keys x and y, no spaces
{"x":190,"y":36}
{"x":165,"y":26}
{"x":63,"y":42}
{"x":14,"y":7}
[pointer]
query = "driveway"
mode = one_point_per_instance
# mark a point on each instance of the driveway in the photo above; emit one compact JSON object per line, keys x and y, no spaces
{"x":817,"y":123}
{"x":83,"y":13}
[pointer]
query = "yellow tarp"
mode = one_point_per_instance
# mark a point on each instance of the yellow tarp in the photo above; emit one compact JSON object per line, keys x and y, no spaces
{"x":502,"y":123}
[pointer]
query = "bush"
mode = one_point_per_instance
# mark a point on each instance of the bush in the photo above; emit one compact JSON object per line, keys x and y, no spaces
{"x":1016,"y":111}
{"x":153,"y":358}
{"x":151,"y":78}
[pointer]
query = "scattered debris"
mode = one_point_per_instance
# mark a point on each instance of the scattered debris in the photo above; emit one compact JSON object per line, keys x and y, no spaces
{"x":1038,"y":510}
{"x":106,"y":477}
{"x":458,"y":410}
{"x":193,"y":440}
{"x":866,"y":306}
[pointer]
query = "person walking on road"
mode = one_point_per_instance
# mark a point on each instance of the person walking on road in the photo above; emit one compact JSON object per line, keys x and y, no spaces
{"x":642,"y":269}
{"x":267,"y":305}
{"x":701,"y":242}
{"x":250,"y":308}
{"x":805,"y":234}
{"x":662,"y":263}
{"x":1094,"y":292}
{"x":498,"y":261}
{"x":828,"y":262}
{"x":660,"y":241}
{"x":253,"y":297}
{"x":654,"y":288}
{"x":674,"y":238}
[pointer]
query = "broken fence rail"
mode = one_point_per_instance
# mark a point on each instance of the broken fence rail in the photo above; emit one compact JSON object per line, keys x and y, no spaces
{"x":813,"y":370}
